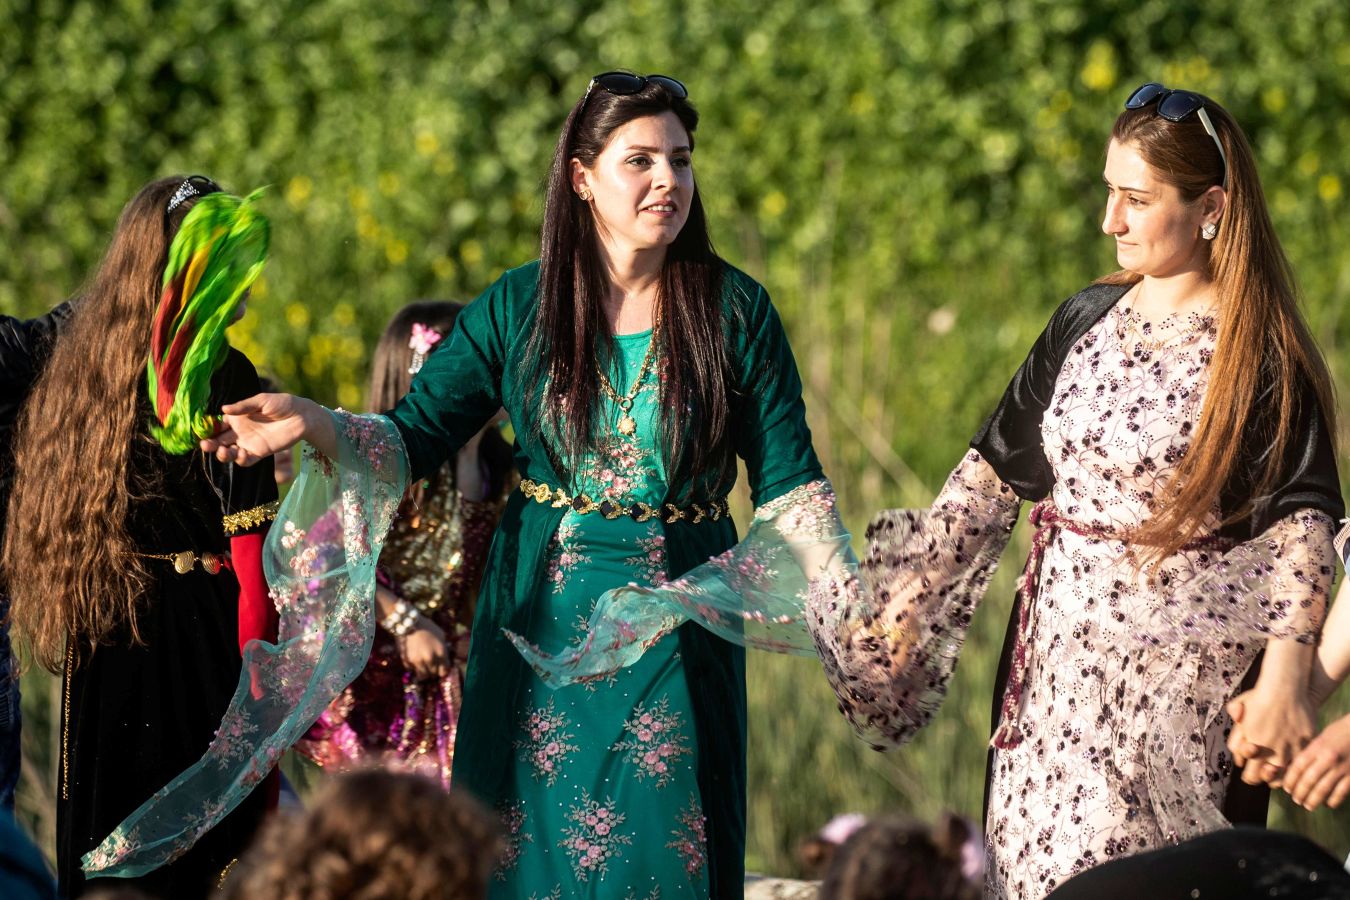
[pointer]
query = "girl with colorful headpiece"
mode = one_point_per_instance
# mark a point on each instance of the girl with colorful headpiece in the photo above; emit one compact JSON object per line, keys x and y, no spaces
{"x":134,"y":560}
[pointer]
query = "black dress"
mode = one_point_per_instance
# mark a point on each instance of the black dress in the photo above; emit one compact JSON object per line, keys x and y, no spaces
{"x":136,"y":715}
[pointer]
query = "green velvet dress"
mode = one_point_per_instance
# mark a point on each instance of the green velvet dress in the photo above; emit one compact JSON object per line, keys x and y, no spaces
{"x":632,"y":786}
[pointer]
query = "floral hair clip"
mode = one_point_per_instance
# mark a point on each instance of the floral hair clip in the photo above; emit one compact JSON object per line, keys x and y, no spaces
{"x":423,"y":339}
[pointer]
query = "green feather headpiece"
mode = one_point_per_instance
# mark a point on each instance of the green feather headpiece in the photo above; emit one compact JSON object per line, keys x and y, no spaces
{"x":218,"y":253}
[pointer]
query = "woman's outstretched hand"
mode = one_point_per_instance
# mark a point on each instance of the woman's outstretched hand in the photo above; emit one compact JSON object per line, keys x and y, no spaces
{"x":264,"y":424}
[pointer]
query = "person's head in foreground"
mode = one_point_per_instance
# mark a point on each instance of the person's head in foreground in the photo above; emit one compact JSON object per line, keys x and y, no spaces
{"x":372,"y":834}
{"x":898,"y":858}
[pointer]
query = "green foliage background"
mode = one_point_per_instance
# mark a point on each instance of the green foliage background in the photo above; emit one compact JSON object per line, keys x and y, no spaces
{"x":918,"y":184}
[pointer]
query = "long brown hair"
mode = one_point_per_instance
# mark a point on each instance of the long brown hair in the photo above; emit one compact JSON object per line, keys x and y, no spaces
{"x":570,"y":333}
{"x":69,"y":565}
{"x":390,"y":380}
{"x":1263,"y":344}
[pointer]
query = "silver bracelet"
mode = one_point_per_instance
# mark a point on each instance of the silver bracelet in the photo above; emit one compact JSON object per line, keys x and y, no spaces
{"x":402,"y":620}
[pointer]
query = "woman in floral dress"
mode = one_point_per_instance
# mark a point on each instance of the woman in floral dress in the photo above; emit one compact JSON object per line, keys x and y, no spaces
{"x":1173,"y":428}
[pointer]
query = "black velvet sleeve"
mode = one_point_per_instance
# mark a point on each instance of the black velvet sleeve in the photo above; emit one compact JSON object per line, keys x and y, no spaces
{"x":1010,"y":439}
{"x":249,"y":492}
{"x":1309,"y":478}
{"x":24,"y":345}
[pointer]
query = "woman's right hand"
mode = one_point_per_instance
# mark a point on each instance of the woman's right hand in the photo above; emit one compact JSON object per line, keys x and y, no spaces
{"x":264,"y":424}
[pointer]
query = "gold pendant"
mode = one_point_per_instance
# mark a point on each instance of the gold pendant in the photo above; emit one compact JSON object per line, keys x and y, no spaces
{"x":627,"y":425}
{"x":184,"y":561}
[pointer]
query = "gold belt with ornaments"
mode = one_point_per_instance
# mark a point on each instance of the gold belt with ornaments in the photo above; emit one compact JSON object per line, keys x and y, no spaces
{"x":638,"y":511}
{"x":185,"y":560}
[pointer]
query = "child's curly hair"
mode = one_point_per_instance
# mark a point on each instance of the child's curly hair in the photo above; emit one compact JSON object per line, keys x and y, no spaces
{"x":372,"y":834}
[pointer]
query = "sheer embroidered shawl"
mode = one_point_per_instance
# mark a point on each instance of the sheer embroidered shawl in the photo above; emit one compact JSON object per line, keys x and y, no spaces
{"x":320,"y":562}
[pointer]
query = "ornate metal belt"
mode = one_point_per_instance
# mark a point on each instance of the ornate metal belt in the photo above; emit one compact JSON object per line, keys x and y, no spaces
{"x":637,"y":511}
{"x":184,"y":561}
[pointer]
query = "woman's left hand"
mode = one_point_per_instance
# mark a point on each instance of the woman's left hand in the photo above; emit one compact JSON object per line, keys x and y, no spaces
{"x":1321,"y":772}
{"x":1270,"y":728}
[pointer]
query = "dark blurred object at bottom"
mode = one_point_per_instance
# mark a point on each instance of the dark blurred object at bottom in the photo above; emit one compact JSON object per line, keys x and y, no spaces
{"x":1233,"y":864}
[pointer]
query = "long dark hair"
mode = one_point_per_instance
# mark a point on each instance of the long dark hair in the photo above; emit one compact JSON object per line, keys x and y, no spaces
{"x":1259,"y":322}
{"x":570,"y":334}
{"x":72,"y":568}
{"x":390,"y":380}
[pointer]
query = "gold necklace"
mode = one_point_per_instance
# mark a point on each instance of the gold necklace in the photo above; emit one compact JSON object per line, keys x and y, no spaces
{"x":627,"y":424}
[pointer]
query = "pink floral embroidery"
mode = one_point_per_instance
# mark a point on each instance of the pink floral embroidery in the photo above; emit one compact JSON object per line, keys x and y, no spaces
{"x":651,"y":562}
{"x":546,"y":746}
{"x":512,"y":817}
{"x":618,"y":468}
{"x":691,"y":838}
{"x":657,"y":740}
{"x":568,"y":553}
{"x":593,"y":839}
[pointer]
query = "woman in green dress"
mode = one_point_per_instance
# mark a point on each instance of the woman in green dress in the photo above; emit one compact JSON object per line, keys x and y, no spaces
{"x":636,"y":366}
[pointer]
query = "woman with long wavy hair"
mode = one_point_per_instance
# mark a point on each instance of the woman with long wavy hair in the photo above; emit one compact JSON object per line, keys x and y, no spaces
{"x":1174,"y":428}
{"x":129,"y":566}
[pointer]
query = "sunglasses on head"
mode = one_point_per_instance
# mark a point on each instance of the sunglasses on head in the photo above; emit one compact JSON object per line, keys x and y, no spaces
{"x":625,"y":83}
{"x":192,"y":186}
{"x":1176,"y":105}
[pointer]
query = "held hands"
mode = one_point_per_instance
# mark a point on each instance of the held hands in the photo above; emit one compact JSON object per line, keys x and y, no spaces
{"x":1270,"y":728}
{"x":260,"y":426}
{"x":1321,"y":773}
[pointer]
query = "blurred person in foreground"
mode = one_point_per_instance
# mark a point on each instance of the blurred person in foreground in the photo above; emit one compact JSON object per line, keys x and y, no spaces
{"x":1173,"y":426}
{"x":24,"y":345}
{"x":368,"y":835}
{"x":403,"y":709}
{"x":133,"y":559}
{"x":893,"y":857}
{"x":1241,"y":863}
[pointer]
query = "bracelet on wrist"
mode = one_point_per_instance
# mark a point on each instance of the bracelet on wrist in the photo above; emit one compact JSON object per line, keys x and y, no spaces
{"x":402,"y":620}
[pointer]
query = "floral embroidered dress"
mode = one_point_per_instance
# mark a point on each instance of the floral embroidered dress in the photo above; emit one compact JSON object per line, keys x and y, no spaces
{"x":605,"y":789}
{"x":1112,"y":730}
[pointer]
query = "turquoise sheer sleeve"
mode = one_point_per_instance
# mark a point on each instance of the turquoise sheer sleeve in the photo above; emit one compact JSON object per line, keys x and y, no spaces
{"x":320,"y":561}
{"x":888,"y":631}
{"x":754,"y":594}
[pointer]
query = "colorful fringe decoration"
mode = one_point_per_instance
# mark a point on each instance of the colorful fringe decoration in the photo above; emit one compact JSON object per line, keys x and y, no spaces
{"x":218,"y":253}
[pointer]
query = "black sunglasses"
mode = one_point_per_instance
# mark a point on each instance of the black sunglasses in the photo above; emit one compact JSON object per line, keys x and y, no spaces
{"x":1175,"y":105}
{"x":625,"y":83}
{"x":192,"y":186}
